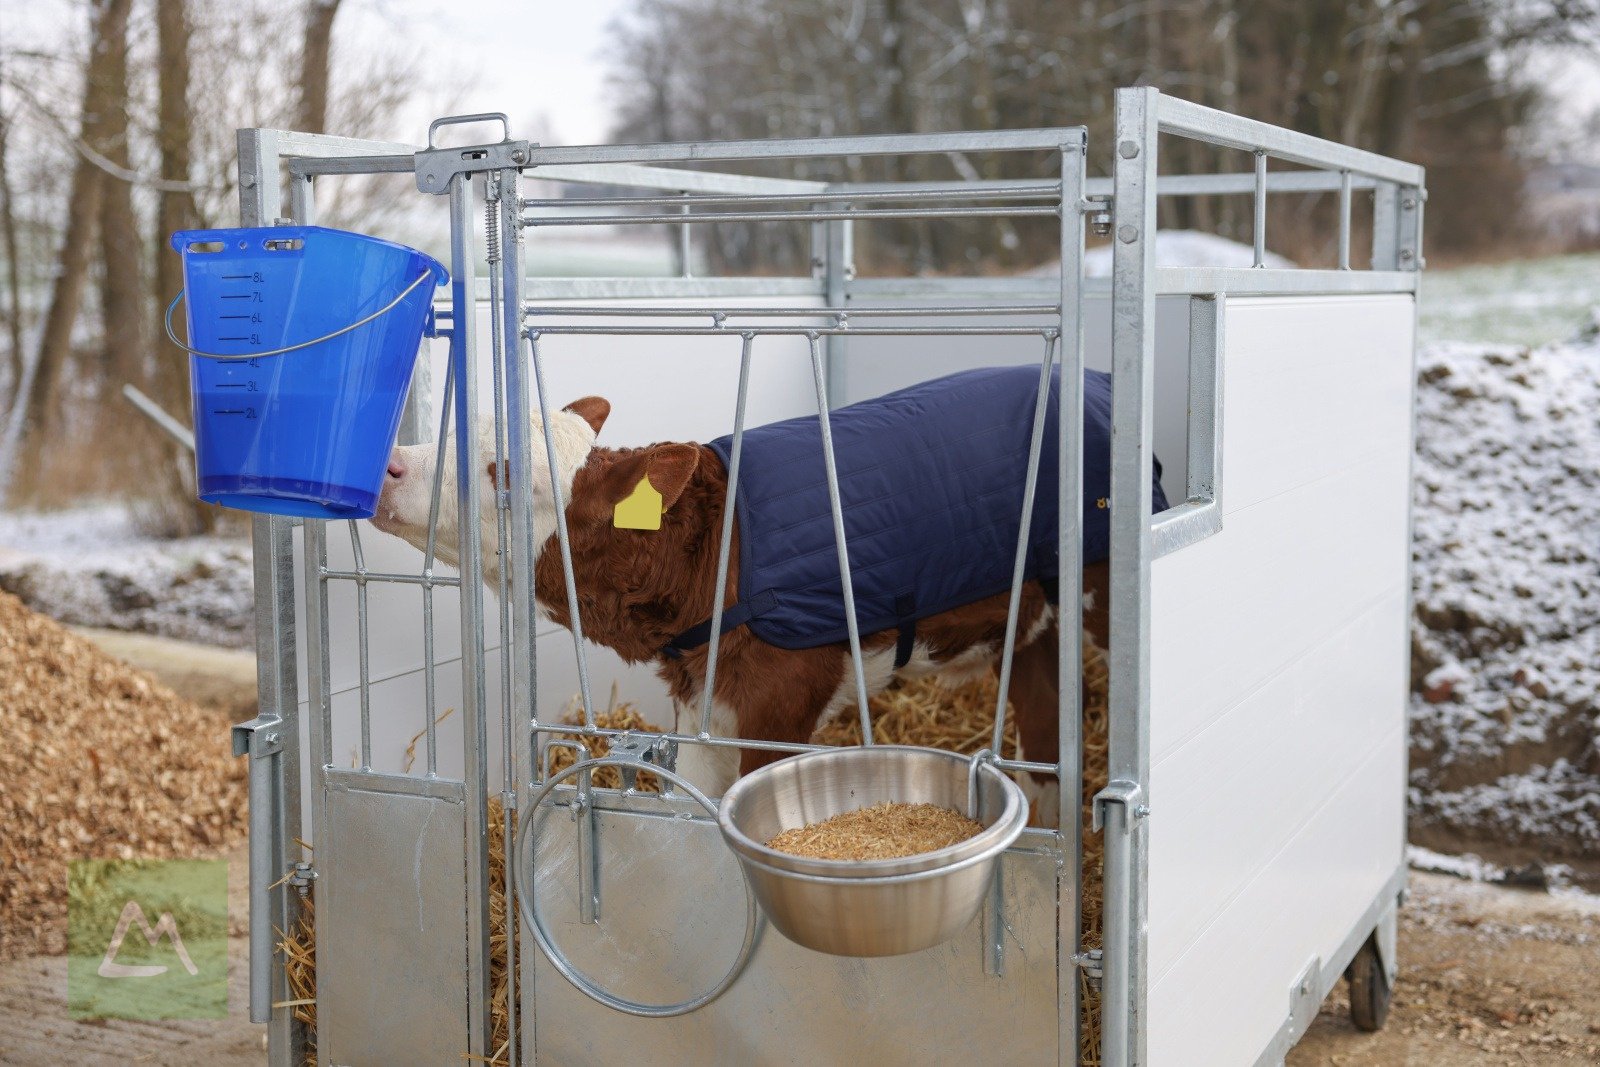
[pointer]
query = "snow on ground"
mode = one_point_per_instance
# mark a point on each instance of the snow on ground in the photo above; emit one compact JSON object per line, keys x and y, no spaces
{"x":92,"y":566}
{"x":1506,"y":638}
{"x":1525,"y":302}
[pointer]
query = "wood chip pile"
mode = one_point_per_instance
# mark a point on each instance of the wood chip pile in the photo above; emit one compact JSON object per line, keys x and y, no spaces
{"x":97,"y":761}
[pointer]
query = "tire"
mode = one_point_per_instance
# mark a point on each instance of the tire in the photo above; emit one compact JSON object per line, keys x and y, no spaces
{"x":1370,"y":993}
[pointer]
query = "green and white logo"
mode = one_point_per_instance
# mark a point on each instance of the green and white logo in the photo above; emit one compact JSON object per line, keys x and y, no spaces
{"x":147,"y":939}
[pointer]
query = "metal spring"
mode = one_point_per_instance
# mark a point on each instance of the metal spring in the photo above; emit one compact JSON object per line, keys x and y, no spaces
{"x":491,"y":224}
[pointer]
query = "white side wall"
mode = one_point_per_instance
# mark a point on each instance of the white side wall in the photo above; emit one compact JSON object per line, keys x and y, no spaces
{"x":1279,"y":672}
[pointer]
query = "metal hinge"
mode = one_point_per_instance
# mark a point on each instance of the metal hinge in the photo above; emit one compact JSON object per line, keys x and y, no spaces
{"x":1121,"y":792}
{"x":1098,"y":207}
{"x":258,"y":737}
{"x":1092,"y":964}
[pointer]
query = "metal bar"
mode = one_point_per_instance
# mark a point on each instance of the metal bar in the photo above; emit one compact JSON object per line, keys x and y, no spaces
{"x":838,"y":270}
{"x":517,"y":555}
{"x":832,"y":311}
{"x":1260,"y":230}
{"x":847,"y":587}
{"x":1286,"y":181}
{"x":356,"y":164}
{"x":1344,"y":220}
{"x":1410,"y":228}
{"x":1014,"y":211}
{"x":795,"y":331}
{"x":670,"y":178}
{"x":1267,"y":281}
{"x":427,"y":581}
{"x":1185,"y":119}
{"x":578,"y":730}
{"x":1132,"y":358}
{"x":842,"y":194}
{"x":1069,"y":600}
{"x":429,"y":671}
{"x":1386,"y":228}
{"x":725,"y":543}
{"x":469,"y":468}
{"x":362,"y":654}
{"x":1019,"y":565}
{"x":272,"y":547}
{"x":809,"y":147}
{"x":685,"y":245}
{"x":158,"y":415}
{"x":293,"y":143}
{"x":558,"y":500}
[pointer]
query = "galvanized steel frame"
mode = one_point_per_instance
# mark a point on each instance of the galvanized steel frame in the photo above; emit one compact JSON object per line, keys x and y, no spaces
{"x":1142,"y":114}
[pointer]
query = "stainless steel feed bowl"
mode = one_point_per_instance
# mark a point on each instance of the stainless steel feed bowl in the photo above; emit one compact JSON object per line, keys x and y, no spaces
{"x":879,"y":907}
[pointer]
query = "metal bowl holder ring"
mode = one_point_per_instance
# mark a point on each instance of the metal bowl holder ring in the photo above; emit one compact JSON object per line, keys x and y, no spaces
{"x":632,"y":759}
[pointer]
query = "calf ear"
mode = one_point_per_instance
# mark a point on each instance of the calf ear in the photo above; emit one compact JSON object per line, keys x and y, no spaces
{"x":591,"y":409}
{"x":670,"y":468}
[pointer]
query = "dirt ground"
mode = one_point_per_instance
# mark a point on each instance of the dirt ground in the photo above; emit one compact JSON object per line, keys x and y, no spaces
{"x":1489,"y":975}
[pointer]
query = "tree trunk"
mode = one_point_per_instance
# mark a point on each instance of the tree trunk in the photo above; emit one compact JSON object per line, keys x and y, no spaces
{"x":125,"y":347}
{"x":8,"y":235}
{"x":175,"y":210}
{"x":109,"y":24}
{"x":314,"y":56}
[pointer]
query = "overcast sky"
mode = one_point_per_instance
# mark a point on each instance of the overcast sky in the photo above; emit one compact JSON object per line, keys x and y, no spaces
{"x":533,"y":59}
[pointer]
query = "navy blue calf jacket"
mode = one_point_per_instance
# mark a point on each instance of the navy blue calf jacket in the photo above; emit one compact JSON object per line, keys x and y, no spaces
{"x":931,"y":478}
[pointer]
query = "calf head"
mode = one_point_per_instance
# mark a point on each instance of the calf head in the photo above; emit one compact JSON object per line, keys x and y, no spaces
{"x":406,"y":499}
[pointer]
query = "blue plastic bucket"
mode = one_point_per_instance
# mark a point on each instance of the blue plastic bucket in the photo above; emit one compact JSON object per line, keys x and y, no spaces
{"x":306,"y":431}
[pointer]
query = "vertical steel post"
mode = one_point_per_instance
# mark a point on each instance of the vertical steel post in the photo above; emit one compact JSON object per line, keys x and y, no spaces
{"x":1069,"y":625}
{"x":275,"y":817}
{"x":469,"y":490}
{"x":517,"y":559}
{"x":1132,"y":358}
{"x":1259,"y":202}
{"x":1386,"y":227}
{"x":1344,"y":220}
{"x":837,"y":270}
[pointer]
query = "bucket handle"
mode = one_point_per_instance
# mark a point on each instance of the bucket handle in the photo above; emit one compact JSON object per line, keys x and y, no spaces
{"x":390,"y":306}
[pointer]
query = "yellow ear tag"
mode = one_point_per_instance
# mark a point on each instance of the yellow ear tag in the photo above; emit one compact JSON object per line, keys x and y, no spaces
{"x":640,"y":509}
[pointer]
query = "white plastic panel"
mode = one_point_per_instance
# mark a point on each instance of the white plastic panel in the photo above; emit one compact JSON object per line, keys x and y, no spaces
{"x":1279,"y":671}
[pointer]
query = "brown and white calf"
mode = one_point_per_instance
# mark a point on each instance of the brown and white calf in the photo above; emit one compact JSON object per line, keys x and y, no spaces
{"x":638,"y":589}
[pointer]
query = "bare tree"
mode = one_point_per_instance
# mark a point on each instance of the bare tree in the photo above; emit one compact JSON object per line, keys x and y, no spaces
{"x":108,"y":34}
{"x":8,"y":236}
{"x":314,"y":57}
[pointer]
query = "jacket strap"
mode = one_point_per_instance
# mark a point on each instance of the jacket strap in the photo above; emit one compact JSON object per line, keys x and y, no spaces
{"x":735,"y":615}
{"x":905,"y":607}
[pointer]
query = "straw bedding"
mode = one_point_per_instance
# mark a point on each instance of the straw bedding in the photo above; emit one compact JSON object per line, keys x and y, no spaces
{"x":958,"y":718}
{"x":97,"y":760}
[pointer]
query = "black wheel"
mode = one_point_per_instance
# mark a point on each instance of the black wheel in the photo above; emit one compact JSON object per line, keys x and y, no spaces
{"x":1370,"y":992}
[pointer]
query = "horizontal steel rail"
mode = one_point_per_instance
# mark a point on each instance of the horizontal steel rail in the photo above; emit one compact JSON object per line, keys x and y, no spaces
{"x":894,"y":144}
{"x":675,"y":179}
{"x":838,"y":194}
{"x":1016,"y":211}
{"x":792,"y":312}
{"x":363,"y":576}
{"x":794,"y":331}
{"x":1185,"y":119}
{"x":714,"y":741}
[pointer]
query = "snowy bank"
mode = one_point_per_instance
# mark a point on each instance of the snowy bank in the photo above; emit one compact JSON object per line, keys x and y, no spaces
{"x":92,"y":567}
{"x":1506,"y":638}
